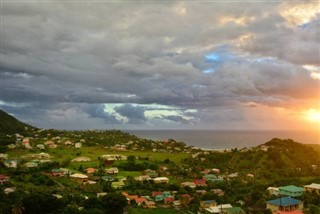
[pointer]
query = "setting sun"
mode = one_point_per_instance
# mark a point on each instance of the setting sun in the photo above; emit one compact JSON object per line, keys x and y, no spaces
{"x":313,"y":115}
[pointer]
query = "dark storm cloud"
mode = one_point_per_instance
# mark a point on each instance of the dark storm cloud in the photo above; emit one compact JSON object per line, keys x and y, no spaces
{"x":134,"y":114}
{"x":97,"y":111}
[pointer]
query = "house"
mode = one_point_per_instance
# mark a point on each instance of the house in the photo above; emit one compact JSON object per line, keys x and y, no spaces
{"x":200,"y":182}
{"x":117,"y":184}
{"x":3,"y":156}
{"x":284,"y":204}
{"x":159,"y":180}
{"x":142,"y":178}
{"x":150,"y":204}
{"x":91,"y":170}
{"x":68,"y":142}
{"x":81,"y":178}
{"x":212,"y":178}
{"x":41,"y":146}
{"x":31,"y":164}
{"x":153,"y":194}
{"x":217,"y":209}
{"x":233,"y":175}
{"x":176,"y":203}
{"x":201,"y":192}
{"x":291,"y":190}
{"x":77,"y":145}
{"x":312,"y":188}
{"x":218,"y":192}
{"x":55,"y":173}
{"x":112,"y":171}
{"x":233,"y":210}
{"x":107,"y":178}
{"x":215,"y":170}
{"x":11,"y":163}
{"x":208,"y":203}
{"x":250,"y":175}
{"x":158,"y":198}
{"x":188,"y":184}
{"x":53,"y":146}
{"x":91,"y":182}
{"x":151,"y":173}
{"x":9,"y":190}
{"x":81,"y":159}
{"x":49,"y":142}
{"x":273,"y":190}
{"x":114,"y":157}
{"x":4,"y":179}
{"x":168,"y":200}
{"x":140,"y":200}
{"x":166,"y":194}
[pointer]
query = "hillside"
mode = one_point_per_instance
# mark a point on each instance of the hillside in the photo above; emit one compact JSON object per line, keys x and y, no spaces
{"x":282,"y":157}
{"x":10,"y":125}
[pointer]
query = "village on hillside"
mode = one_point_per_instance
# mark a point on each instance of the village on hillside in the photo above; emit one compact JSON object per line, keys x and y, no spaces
{"x":153,"y":175}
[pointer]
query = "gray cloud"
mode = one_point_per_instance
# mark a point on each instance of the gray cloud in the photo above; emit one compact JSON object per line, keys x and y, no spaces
{"x":75,"y":57}
{"x":134,"y":114}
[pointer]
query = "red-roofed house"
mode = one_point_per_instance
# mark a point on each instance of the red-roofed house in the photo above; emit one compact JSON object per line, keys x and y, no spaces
{"x":139,"y":201}
{"x":156,"y":193}
{"x":168,"y":200}
{"x":132,"y":197}
{"x":200,"y":182}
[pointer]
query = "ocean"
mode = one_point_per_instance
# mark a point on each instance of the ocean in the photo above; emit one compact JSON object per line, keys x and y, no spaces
{"x":219,"y":140}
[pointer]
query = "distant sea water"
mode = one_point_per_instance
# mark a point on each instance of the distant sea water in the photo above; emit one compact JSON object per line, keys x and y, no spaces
{"x":219,"y":140}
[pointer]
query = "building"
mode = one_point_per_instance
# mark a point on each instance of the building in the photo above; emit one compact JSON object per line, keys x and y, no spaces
{"x":312,"y":188}
{"x":160,"y":180}
{"x":91,"y":170}
{"x":217,"y":209}
{"x":287,"y":204}
{"x":273,"y":190}
{"x":208,"y":203}
{"x":212,"y":178}
{"x":112,"y":171}
{"x":188,"y":184}
{"x":142,"y":178}
{"x":4,"y":179}
{"x":81,"y":178}
{"x":150,"y":204}
{"x":118,"y":184}
{"x":233,"y":210}
{"x":200,"y":182}
{"x":81,"y":159}
{"x":291,"y":190}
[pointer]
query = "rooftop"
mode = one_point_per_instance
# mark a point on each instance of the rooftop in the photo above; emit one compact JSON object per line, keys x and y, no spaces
{"x":291,"y":188}
{"x":285,"y":201}
{"x":313,"y":186}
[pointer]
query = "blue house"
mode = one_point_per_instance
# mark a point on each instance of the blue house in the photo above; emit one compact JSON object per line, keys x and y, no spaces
{"x":285,"y":204}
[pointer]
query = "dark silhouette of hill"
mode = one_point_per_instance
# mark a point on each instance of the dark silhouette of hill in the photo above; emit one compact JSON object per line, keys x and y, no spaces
{"x":10,"y":125}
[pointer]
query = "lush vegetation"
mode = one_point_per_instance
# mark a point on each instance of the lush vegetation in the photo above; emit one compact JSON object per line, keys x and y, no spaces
{"x":278,"y":162}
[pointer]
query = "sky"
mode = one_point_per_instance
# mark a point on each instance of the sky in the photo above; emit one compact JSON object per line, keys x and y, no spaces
{"x":223,"y":65}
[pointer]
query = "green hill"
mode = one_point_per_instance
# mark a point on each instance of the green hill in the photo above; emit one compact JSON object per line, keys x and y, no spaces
{"x":275,"y":159}
{"x":10,"y":125}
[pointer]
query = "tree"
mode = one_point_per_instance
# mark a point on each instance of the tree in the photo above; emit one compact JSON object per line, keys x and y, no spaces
{"x":41,"y":202}
{"x":114,"y":203}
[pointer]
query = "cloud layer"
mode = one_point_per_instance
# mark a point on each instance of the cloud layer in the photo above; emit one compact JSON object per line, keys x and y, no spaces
{"x":157,"y":64}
